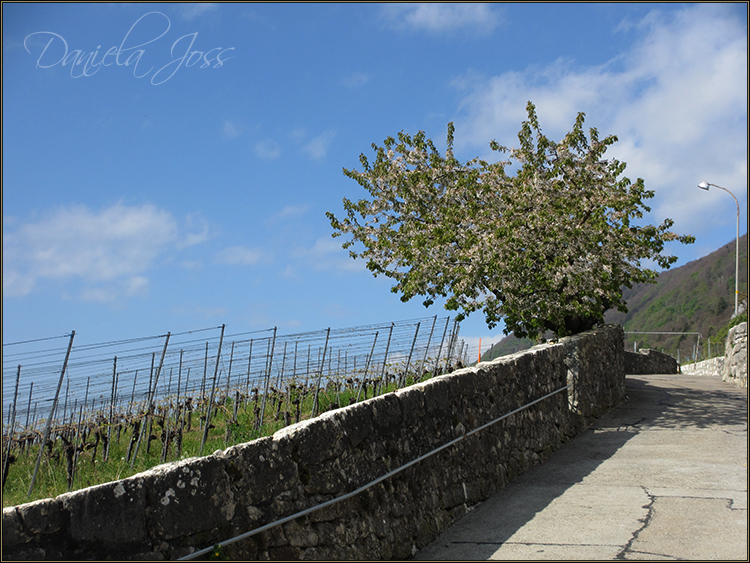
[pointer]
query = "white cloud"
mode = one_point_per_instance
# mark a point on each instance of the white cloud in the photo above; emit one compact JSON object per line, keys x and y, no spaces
{"x":317,"y":148}
{"x":267,"y":149}
{"x":677,"y":100}
{"x":441,"y":17}
{"x":239,"y":256}
{"x":106,"y":251}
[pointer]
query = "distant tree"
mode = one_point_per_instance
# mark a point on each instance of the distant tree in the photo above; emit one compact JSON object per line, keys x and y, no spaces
{"x":547,"y":247}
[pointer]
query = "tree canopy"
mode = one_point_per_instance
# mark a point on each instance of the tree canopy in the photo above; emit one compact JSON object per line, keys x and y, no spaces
{"x":548,"y":246}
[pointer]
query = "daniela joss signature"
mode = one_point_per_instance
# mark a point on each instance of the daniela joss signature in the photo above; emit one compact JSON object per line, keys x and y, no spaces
{"x":87,"y":64}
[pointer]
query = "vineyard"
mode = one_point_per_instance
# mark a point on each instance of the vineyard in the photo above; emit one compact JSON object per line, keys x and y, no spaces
{"x":80,"y":415}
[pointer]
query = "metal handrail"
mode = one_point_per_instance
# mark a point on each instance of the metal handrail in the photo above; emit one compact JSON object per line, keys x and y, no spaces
{"x":368,"y":485}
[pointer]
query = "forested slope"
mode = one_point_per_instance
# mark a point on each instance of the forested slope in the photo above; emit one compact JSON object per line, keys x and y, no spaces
{"x":696,"y":297}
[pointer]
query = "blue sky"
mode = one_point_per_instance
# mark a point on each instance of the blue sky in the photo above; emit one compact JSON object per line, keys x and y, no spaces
{"x":183,"y":182}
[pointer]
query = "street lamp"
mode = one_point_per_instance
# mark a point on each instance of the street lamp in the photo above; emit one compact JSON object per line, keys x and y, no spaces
{"x":704,"y":186}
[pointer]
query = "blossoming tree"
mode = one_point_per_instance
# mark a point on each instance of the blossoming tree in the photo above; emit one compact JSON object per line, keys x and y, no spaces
{"x":549,"y":246}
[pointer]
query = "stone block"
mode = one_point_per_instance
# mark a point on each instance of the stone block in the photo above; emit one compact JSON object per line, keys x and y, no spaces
{"x":42,"y":517}
{"x":109,"y":517}
{"x":261,"y":470}
{"x":735,"y":358}
{"x":188,"y":497}
{"x":316,"y":440}
{"x":356,"y":423}
{"x":437,"y":394}
{"x":13,"y":531}
{"x":386,"y":413}
{"x":412,"y":405}
{"x":331,"y":477}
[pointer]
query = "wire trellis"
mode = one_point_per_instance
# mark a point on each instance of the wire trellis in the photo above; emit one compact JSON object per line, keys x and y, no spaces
{"x":126,"y":376}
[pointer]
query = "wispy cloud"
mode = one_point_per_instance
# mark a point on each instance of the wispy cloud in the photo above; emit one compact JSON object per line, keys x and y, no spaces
{"x":292,"y":211}
{"x":338,"y":311}
{"x":239,"y":256}
{"x":106,"y":251}
{"x":202,"y":312}
{"x":443,"y":17}
{"x":327,"y":254}
{"x":356,"y":79}
{"x":231,"y":129}
{"x":191,"y":264}
{"x":268,"y":149}
{"x":197,"y":9}
{"x":317,"y":148}
{"x":677,"y":102}
{"x":134,"y":286}
{"x":195,"y":232}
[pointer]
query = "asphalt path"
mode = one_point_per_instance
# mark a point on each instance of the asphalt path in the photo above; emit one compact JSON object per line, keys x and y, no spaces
{"x":661,"y":477}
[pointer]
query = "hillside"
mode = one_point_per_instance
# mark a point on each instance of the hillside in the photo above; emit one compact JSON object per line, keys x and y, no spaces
{"x":696,"y":297}
{"x":507,"y":345}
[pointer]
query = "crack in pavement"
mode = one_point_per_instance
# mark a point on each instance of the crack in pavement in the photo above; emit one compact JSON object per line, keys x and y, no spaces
{"x":645,"y":521}
{"x":730,"y":505}
{"x":672,"y":557}
{"x":500,"y":543}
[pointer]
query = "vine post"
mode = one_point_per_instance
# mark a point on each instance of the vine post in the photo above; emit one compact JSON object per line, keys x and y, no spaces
{"x":48,"y":427}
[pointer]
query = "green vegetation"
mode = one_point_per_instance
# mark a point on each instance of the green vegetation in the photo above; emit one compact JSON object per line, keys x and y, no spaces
{"x":719,"y":339}
{"x":696,"y":297}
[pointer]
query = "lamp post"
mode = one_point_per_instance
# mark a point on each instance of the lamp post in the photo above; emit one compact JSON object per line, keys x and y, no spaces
{"x":704,"y":186}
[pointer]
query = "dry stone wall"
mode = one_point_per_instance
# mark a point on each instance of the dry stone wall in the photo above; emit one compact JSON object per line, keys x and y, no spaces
{"x":732,"y":367}
{"x":596,"y":366}
{"x":711,"y":367}
{"x":735,"y":356}
{"x":650,"y":361}
{"x":176,"y":509}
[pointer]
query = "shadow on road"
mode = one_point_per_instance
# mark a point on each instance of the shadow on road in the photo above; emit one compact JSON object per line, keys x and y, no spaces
{"x":679,"y":401}
{"x":653,"y":402}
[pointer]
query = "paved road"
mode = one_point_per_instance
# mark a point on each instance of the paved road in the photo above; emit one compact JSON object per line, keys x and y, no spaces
{"x":661,"y":477}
